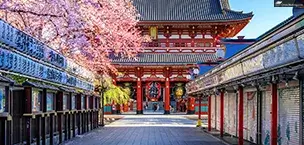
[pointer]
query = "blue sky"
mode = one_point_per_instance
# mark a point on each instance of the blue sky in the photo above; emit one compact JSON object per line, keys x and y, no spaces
{"x":265,"y":16}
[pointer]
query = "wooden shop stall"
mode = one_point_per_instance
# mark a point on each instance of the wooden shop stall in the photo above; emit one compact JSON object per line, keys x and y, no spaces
{"x":40,"y":115}
{"x":65,"y":106}
{"x":5,"y":110}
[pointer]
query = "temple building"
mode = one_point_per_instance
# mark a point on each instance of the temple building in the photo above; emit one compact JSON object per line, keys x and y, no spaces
{"x":185,"y":39}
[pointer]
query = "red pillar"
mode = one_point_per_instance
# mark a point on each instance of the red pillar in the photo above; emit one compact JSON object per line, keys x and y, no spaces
{"x":274,"y":114}
{"x":199,"y":107}
{"x":209,"y":113}
{"x":191,"y":103}
{"x":167,"y":97}
{"x":222,"y":114}
{"x":139,"y":97}
{"x":241,"y":116}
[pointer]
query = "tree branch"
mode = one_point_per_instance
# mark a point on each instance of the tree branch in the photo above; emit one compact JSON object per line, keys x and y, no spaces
{"x":31,"y":12}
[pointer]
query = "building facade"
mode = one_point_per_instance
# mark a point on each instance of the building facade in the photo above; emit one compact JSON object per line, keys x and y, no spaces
{"x":184,"y":34}
{"x":257,"y":94}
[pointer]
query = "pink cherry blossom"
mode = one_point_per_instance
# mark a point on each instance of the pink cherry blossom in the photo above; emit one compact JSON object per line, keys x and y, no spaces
{"x":84,"y":30}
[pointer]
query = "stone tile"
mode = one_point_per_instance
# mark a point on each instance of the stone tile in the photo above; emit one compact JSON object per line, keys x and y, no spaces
{"x":148,"y":130}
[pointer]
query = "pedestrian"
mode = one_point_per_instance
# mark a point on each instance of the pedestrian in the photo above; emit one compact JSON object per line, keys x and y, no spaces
{"x":154,"y":107}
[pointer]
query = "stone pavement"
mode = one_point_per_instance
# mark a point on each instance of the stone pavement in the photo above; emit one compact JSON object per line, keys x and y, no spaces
{"x":148,"y":130}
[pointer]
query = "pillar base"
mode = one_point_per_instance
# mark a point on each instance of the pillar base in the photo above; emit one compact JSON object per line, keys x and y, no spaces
{"x":190,"y":112}
{"x":167,"y":112}
{"x":139,"y":112}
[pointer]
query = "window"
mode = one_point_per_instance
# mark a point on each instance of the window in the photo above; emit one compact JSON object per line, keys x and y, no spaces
{"x":2,"y":100}
{"x":50,"y":101}
{"x":36,"y":100}
{"x":207,"y":44}
{"x":73,"y":102}
{"x":65,"y":101}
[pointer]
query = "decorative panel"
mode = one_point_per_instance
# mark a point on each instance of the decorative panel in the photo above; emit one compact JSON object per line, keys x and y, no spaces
{"x":233,"y":72}
{"x":253,"y":64}
{"x":300,"y":40}
{"x":281,"y":54}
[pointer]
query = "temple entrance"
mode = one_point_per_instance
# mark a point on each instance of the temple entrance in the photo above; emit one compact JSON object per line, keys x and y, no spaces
{"x":153,"y":98}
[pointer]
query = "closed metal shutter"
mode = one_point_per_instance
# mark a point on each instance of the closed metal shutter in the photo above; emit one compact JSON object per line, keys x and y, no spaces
{"x":245,"y":116}
{"x":232,"y":111}
{"x":218,"y":100}
{"x":227,"y":113}
{"x":213,"y":111}
{"x":250,"y":116}
{"x":266,"y":116}
{"x":289,"y":112}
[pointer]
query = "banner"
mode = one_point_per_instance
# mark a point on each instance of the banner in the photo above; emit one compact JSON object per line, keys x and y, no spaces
{"x":17,"y":63}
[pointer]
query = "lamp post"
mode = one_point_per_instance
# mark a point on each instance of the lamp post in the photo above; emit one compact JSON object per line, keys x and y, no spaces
{"x":102,"y":88}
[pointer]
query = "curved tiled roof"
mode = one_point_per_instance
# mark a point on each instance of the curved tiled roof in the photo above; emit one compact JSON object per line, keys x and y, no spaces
{"x":165,"y":58}
{"x":187,"y":10}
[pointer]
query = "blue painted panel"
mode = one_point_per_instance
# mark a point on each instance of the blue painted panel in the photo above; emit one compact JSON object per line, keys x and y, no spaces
{"x":204,"y":69}
{"x":282,"y":54}
{"x":232,"y":49}
{"x":203,"y":109}
{"x":107,"y":108}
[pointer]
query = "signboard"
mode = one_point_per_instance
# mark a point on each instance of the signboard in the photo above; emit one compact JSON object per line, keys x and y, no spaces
{"x":26,"y":44}
{"x":17,"y":63}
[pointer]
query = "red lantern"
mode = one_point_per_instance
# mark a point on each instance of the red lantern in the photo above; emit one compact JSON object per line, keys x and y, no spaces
{"x":153,"y":91}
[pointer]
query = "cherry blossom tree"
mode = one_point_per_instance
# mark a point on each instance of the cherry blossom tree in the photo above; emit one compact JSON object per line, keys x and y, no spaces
{"x":85,"y":30}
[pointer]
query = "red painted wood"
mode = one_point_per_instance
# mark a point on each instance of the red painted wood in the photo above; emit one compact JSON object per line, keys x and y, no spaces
{"x":167,"y":95}
{"x":200,"y":108}
{"x":191,"y":104}
{"x":209,"y":113}
{"x":222,"y":114}
{"x":274,"y":114}
{"x":139,"y":95}
{"x":241,"y":116}
{"x":126,"y":107}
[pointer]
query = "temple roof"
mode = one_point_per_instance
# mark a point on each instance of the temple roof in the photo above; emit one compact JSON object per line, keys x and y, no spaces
{"x":187,"y":10}
{"x":165,"y":59}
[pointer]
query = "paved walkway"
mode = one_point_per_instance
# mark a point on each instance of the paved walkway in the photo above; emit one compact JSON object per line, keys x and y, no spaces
{"x":148,"y":130}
